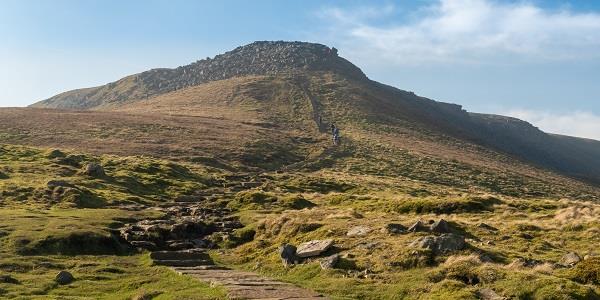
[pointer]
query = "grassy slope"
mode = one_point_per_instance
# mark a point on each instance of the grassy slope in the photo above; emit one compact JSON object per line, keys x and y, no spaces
{"x":381,"y":266}
{"x":40,"y":236}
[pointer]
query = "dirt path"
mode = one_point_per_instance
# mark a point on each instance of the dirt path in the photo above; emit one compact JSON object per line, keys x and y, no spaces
{"x":239,"y":284}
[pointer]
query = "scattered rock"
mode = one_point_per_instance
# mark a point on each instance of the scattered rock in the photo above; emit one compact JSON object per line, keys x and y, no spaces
{"x":287,"y":252}
{"x":58,"y":183}
{"x":570,"y":259}
{"x":487,"y":227}
{"x":368,"y":245}
{"x":144,"y":245}
{"x":94,"y":170}
{"x":489,"y":294}
{"x":418,"y":227}
{"x":440,"y":226}
{"x":524,"y":263}
{"x":358,"y":231}
{"x":526,"y":236}
{"x":440,"y":244}
{"x":313,"y":248}
{"x":64,"y":277}
{"x":395,"y":228}
{"x":329,"y":262}
{"x":8,"y":279}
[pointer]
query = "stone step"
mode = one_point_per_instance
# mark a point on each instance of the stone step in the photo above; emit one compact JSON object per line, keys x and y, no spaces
{"x":179,"y":255}
{"x":197,"y":269}
{"x":183,"y":262}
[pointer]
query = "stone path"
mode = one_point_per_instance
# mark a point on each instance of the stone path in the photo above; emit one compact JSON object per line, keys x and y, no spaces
{"x":239,"y":284}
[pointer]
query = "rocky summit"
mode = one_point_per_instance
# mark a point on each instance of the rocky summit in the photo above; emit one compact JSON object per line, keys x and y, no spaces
{"x":278,"y":170}
{"x":258,"y":58}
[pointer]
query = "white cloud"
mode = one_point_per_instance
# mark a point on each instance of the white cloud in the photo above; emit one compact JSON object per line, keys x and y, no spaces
{"x":580,"y":124}
{"x":468,"y":31}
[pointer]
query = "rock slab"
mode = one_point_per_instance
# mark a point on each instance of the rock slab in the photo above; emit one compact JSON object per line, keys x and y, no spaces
{"x":313,"y":248}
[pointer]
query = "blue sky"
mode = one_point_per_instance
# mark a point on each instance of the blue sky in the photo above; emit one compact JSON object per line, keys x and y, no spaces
{"x":537,"y":60}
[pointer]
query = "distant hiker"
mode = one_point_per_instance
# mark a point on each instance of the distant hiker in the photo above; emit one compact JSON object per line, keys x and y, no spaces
{"x":336,"y":136}
{"x":332,"y":128}
{"x":320,"y":121}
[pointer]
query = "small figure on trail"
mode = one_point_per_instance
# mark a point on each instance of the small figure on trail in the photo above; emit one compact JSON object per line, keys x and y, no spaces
{"x":336,"y":136}
{"x":320,"y":120}
{"x":332,"y":128}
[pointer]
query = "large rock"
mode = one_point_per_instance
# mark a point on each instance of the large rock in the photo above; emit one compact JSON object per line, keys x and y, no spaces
{"x":64,"y":277}
{"x":94,"y":170}
{"x":570,"y":259}
{"x":313,"y":248}
{"x":288,"y":255}
{"x":440,"y":244}
{"x":358,"y":231}
{"x":440,"y":226}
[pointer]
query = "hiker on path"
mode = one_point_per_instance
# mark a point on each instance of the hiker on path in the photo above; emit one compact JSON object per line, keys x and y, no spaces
{"x":336,"y":136}
{"x":332,"y":128}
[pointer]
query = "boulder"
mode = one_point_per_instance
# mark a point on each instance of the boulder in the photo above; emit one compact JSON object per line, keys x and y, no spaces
{"x":418,"y":227}
{"x":64,"y":277}
{"x":313,"y":248}
{"x":329,"y":262}
{"x":394,"y":228}
{"x":440,"y":244}
{"x":570,"y":259}
{"x":358,"y":231}
{"x":94,"y":170}
{"x":440,"y":226}
{"x":287,"y":252}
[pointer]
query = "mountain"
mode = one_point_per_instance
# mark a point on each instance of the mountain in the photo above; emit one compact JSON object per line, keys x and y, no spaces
{"x":295,"y":83}
{"x":420,"y":200}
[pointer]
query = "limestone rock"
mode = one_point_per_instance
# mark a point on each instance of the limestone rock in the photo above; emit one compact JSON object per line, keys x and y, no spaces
{"x":64,"y":277}
{"x":570,"y":259}
{"x":358,"y":231}
{"x":329,"y":262}
{"x":313,"y":248}
{"x":287,"y":252}
{"x":440,"y":226}
{"x":440,"y":244}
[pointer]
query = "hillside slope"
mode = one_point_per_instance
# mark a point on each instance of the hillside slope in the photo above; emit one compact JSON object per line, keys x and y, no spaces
{"x":294,"y":84}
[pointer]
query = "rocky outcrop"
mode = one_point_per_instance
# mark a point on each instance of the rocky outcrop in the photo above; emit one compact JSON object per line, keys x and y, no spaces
{"x":258,"y":58}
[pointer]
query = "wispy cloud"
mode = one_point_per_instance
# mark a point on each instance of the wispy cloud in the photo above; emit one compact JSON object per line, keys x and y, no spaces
{"x":580,"y":124}
{"x":467,"y":31}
